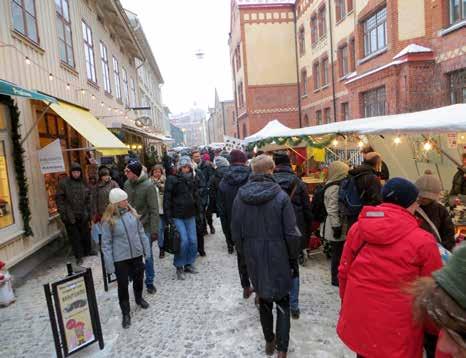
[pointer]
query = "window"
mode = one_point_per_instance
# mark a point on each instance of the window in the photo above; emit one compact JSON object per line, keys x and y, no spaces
{"x":65,"y":41}
{"x":25,"y":18}
{"x":302,"y":41}
{"x":350,"y":6}
{"x":89,"y":53}
{"x":343,"y":57}
{"x":374,"y":102}
{"x":345,"y":111}
{"x":457,"y":10}
{"x":340,"y":9}
{"x":238,"y":56}
{"x":319,"y":118}
{"x":306,"y":120}
{"x":6,"y":205}
{"x":314,"y":34}
{"x":457,"y":81}
{"x":105,"y":68}
{"x":240,"y":95}
{"x":132,"y":97}
{"x":316,"y":75}
{"x":124,"y":74}
{"x":375,"y":32}
{"x":327,"y":118}
{"x":322,"y":22}
{"x":352,"y":54}
{"x":116,"y":77}
{"x":245,"y":131}
{"x":303,"y":82}
{"x":325,"y":72}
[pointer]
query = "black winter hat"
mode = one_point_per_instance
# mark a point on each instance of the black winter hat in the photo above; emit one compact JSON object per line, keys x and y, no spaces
{"x":401,"y":192}
{"x":281,"y":157}
{"x":76,"y":167}
{"x":135,"y":167}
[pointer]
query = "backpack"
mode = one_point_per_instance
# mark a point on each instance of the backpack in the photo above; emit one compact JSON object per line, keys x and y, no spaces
{"x":349,"y":197}
{"x":319,"y":212}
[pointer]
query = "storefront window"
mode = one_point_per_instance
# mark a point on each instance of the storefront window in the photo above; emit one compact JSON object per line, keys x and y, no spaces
{"x":6,"y":208}
{"x":51,"y":128}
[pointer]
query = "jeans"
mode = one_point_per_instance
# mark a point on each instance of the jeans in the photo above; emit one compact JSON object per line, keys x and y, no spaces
{"x":283,"y":322}
{"x":124,"y":269}
{"x":188,"y":238}
{"x":150,"y":272}
{"x":80,"y":238}
{"x":161,"y":231}
{"x":294,"y":294}
{"x":337,"y":251}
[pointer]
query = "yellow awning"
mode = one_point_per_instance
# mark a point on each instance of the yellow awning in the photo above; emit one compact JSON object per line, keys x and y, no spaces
{"x":90,"y":128}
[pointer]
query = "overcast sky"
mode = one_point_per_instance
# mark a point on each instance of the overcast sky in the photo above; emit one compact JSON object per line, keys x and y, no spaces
{"x":176,"y":30}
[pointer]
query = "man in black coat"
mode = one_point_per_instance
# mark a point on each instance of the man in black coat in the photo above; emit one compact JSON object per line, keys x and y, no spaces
{"x":264,"y":230}
{"x":299,"y":196}
{"x":235,"y":178}
{"x":204,"y":166}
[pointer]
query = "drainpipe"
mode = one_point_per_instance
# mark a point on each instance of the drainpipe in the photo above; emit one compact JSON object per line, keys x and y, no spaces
{"x":297,"y":66}
{"x":331,"y":60}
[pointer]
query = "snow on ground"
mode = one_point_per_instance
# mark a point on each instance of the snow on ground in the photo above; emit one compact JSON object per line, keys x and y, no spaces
{"x":204,"y":316}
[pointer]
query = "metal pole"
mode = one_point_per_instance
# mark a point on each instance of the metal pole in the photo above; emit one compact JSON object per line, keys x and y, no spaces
{"x":298,"y":83}
{"x":28,"y":133}
{"x":53,"y":321}
{"x":69,"y":269}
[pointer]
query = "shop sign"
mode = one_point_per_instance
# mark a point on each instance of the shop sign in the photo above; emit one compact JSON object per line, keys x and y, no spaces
{"x":73,"y":313}
{"x":233,"y":143}
{"x":51,"y":158}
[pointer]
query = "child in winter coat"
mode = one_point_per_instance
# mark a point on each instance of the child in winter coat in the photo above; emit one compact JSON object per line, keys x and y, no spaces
{"x":124,"y":243}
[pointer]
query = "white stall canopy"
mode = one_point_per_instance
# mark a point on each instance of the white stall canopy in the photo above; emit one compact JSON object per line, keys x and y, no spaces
{"x":273,"y":129}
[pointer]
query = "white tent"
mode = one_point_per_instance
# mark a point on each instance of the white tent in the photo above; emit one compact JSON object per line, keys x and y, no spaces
{"x":273,"y":129}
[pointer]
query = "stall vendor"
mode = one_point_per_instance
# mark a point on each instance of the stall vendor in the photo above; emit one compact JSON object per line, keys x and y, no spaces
{"x":459,"y":180}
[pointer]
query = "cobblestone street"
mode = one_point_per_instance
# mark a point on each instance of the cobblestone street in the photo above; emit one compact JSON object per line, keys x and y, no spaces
{"x":204,"y":316}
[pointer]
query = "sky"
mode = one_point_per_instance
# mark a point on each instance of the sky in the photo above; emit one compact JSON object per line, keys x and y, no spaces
{"x":176,"y":30}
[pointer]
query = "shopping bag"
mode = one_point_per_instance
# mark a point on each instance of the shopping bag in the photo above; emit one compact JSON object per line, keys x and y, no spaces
{"x":172,"y":241}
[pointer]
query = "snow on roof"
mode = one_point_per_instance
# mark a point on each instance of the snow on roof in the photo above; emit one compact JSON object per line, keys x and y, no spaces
{"x":264,"y":2}
{"x":273,"y":128}
{"x":365,"y":74}
{"x":413,"y":48}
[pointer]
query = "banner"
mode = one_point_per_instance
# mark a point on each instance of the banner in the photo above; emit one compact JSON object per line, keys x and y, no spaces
{"x":51,"y":158}
{"x":233,"y":143}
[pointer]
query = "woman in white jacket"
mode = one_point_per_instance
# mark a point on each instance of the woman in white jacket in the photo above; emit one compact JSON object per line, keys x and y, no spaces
{"x":335,"y":227}
{"x":124,"y":244}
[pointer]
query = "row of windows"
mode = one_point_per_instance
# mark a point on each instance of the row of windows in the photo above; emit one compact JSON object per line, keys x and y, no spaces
{"x":240,"y":95}
{"x":238,"y":57}
{"x":25,"y":22}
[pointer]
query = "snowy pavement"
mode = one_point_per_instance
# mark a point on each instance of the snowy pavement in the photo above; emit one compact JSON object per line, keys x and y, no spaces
{"x":204,"y":316}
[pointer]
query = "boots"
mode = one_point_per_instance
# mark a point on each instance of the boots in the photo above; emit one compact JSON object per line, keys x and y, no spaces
{"x":126,"y":321}
{"x":180,"y":274}
{"x":281,"y":355}
{"x":295,"y":314}
{"x":231,"y":250}
{"x":190,"y":269}
{"x":142,"y":303}
{"x":247,"y":292}
{"x":270,"y":348}
{"x":162,"y":254}
{"x":212,"y":229}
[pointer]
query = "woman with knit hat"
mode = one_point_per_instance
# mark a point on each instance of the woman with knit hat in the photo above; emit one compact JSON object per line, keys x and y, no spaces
{"x":335,"y":226}
{"x":434,"y":217}
{"x":385,"y":251}
{"x":124,"y":243}
{"x":442,"y":299}
{"x":181,"y":205}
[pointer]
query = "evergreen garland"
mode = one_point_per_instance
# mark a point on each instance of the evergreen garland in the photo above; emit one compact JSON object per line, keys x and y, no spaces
{"x":18,"y":160}
{"x":292,"y":142}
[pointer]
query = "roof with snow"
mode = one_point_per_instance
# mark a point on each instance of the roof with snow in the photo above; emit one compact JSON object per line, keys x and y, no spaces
{"x":413,"y":48}
{"x":272,"y":129}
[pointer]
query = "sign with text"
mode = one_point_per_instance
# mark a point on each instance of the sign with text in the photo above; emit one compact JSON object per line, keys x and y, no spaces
{"x":51,"y":158}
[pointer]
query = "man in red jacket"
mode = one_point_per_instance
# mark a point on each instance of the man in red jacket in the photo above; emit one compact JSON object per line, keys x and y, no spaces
{"x":384,"y":252}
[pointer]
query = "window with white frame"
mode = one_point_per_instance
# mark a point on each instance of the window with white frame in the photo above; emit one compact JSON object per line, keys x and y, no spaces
{"x":375,"y":32}
{"x":25,"y":18}
{"x":124,"y":76}
{"x":65,"y":41}
{"x":116,"y":78}
{"x":457,"y":10}
{"x":105,"y":67}
{"x":89,"y":52}
{"x":132,"y":98}
{"x":375,"y":102}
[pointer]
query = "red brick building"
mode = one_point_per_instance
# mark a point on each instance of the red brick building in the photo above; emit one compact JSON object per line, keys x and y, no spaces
{"x":362,"y":58}
{"x":263,"y":59}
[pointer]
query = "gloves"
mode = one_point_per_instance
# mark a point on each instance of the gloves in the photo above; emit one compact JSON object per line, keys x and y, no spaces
{"x":154,"y":237}
{"x":294,"y":268}
{"x":337,"y":232}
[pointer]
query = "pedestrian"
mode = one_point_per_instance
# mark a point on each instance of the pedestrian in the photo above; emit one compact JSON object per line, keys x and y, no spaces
{"x":74,"y":206}
{"x":459,"y":180}
{"x":385,"y":251}
{"x":222,"y":166}
{"x":299,"y":196}
{"x":383,"y":172}
{"x":101,"y":192}
{"x":157,"y":175}
{"x":335,"y":226}
{"x":235,"y":178}
{"x":124,"y":243}
{"x":441,"y":299}
{"x":142,"y":196}
{"x":181,"y":205}
{"x":264,"y":230}
{"x":434,"y":217}
{"x":204,"y":165}
{"x":367,"y":183}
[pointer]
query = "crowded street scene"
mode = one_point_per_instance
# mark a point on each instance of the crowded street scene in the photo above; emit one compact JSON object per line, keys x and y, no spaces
{"x":272,"y":178}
